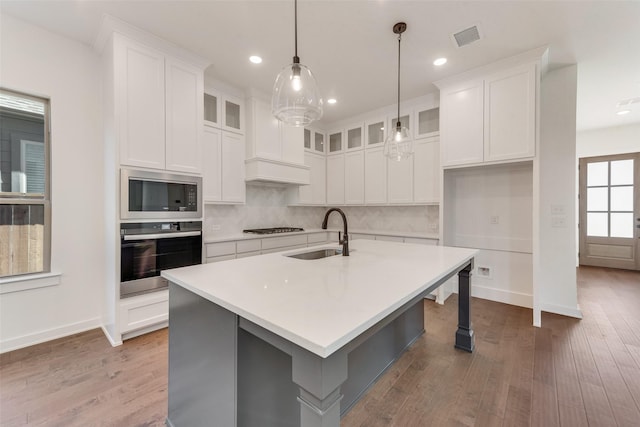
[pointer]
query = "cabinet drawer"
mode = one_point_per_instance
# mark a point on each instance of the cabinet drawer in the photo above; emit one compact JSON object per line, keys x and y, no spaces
{"x":220,"y":258}
{"x":144,"y":310}
{"x":243,"y":246}
{"x":316,"y":238}
{"x":287,"y":248}
{"x":281,"y":242}
{"x":357,"y":236}
{"x":428,"y":242}
{"x":390,"y":238}
{"x":222,"y":248}
{"x":247,"y":254}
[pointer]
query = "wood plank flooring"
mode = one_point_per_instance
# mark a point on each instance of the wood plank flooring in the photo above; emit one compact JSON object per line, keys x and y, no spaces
{"x":567,"y":373}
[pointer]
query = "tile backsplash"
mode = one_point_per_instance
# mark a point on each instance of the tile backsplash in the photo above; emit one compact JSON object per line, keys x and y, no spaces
{"x":266,"y":206}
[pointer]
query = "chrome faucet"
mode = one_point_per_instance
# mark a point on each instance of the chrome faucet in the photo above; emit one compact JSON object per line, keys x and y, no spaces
{"x":345,"y":237}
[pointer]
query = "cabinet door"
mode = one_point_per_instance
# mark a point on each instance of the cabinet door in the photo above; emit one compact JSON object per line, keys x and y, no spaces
{"x":375,"y":176}
{"x":232,"y":114}
{"x":374,"y":132}
{"x":233,"y":185}
{"x":400,"y":181}
{"x":318,"y":142}
{"x":354,"y":178}
{"x":292,"y":143}
{"x":184,"y":112}
{"x":211,"y":109}
{"x":427,"y":122}
{"x":461,"y":132}
{"x":140,"y":104}
{"x":318,"y":179}
{"x":264,"y":131}
{"x":211,"y":168}
{"x":305,"y":192}
{"x":426,"y":171}
{"x":336,"y":142}
{"x":355,"y":137}
{"x":335,"y":179}
{"x":510,"y":114}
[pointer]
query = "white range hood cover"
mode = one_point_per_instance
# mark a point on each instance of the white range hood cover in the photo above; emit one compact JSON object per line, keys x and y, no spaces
{"x":267,"y":170}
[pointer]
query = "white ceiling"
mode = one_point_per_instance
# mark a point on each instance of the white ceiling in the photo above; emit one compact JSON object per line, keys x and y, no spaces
{"x":350,"y":47}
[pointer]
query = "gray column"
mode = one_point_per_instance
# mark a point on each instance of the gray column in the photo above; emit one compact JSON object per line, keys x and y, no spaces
{"x":319,"y":380}
{"x":464,"y":335}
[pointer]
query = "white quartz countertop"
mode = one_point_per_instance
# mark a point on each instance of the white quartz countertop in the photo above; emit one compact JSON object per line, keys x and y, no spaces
{"x":248,"y":236}
{"x":323,"y":304}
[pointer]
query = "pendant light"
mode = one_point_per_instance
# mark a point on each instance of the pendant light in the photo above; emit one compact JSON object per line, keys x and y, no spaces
{"x":296,"y":98}
{"x":398,"y":145}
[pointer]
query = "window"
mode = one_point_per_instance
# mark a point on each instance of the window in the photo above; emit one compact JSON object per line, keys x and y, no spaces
{"x":25,"y":207}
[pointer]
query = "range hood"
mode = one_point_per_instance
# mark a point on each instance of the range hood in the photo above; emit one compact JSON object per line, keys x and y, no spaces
{"x":276,"y":171}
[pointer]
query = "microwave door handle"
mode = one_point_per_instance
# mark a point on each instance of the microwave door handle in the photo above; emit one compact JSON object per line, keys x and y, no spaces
{"x":162,"y":235}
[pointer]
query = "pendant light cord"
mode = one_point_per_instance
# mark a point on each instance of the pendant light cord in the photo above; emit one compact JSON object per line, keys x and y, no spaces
{"x":398,"y":124}
{"x":296,"y":60}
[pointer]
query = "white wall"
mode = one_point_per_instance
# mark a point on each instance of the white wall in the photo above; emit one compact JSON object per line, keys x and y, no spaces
{"x":608,"y":141}
{"x":555,"y":272}
{"x":43,"y":63}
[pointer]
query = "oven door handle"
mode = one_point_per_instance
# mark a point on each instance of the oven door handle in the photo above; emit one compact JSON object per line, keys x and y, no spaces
{"x":162,"y":235}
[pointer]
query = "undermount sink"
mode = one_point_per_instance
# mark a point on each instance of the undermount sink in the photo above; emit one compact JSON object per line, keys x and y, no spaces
{"x":316,"y":254}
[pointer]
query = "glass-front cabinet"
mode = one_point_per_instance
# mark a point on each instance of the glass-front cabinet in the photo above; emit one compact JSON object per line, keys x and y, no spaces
{"x":335,"y":142}
{"x":355,"y":136}
{"x":211,"y":109}
{"x":232,"y":116}
{"x":314,"y":141}
{"x":427,"y":122}
{"x":405,"y":120}
{"x":374,"y":132}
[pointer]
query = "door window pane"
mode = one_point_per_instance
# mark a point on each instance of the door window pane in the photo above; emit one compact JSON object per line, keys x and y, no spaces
{"x":597,"y":174}
{"x":621,"y":198}
{"x":597,"y":224}
{"x":597,"y":199}
{"x":622,"y":225}
{"x":622,"y":172}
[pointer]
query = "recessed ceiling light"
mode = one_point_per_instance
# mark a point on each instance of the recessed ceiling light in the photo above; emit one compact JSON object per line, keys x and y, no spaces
{"x":623,"y":112}
{"x":331,"y":101}
{"x":255,"y":59}
{"x":440,"y":61}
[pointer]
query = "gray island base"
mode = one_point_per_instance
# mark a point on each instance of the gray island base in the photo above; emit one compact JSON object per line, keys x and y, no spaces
{"x":225,"y":370}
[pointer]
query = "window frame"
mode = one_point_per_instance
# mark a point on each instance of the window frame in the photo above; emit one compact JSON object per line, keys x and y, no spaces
{"x":14,"y":198}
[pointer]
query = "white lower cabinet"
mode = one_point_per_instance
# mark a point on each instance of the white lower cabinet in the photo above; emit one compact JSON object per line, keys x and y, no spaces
{"x":144,"y":313}
{"x":335,"y":179}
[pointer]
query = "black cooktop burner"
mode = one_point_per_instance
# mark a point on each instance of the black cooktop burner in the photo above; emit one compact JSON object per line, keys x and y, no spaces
{"x":273,"y":230}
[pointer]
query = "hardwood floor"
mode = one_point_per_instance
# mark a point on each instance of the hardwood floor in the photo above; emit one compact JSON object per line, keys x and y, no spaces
{"x":567,"y":373}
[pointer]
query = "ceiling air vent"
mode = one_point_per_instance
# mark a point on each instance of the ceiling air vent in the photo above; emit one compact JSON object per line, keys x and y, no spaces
{"x":467,"y":36}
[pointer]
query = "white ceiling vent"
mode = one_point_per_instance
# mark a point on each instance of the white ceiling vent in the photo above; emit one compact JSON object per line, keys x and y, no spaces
{"x":467,"y":36}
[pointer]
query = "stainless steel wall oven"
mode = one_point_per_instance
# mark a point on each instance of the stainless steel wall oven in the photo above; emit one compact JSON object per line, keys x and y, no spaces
{"x":148,"y":248}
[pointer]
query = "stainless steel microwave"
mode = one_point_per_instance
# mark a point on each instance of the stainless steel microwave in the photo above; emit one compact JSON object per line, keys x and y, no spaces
{"x":159,"y":195}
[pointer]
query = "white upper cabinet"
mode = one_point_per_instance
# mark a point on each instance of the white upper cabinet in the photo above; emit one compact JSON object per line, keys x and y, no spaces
{"x":232,"y":166}
{"x":158,"y":108}
{"x":510,"y":114}
{"x":336,"y":142}
{"x":140,"y":103}
{"x":232,"y":117}
{"x":462,"y":120}
{"x":490,"y":118}
{"x":316,"y":192}
{"x":184,"y":108}
{"x":211,"y":109}
{"x":354,"y":178}
{"x":314,"y":141}
{"x":212,"y":165}
{"x":375,"y":177}
{"x":374,"y":132}
{"x":426,"y":170}
{"x":355,"y":137}
{"x":427,"y":122}
{"x":405,"y":121}
{"x":335,"y":179}
{"x":271,"y":139}
{"x":400,"y":181}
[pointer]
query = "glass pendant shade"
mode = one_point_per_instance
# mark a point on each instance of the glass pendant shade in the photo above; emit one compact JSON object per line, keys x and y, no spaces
{"x":296,"y":99}
{"x":398,"y":145}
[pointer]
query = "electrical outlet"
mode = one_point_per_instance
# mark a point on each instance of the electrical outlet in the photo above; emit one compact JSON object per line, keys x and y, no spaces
{"x":484,"y":272}
{"x":557,"y":209}
{"x":495,"y":219}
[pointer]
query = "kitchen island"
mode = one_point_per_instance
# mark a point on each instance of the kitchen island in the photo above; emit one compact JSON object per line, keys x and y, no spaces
{"x":278,"y":341}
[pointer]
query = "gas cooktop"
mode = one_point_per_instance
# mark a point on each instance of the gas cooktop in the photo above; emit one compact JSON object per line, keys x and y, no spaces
{"x":273,"y":230}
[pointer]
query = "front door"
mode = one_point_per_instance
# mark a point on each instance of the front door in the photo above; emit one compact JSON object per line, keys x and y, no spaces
{"x":610,"y":211}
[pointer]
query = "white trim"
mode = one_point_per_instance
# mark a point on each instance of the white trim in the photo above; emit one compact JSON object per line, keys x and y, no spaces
{"x":562,"y":310}
{"x":112,"y":341}
{"x":48,"y":335}
{"x":500,"y":295}
{"x":28,"y":282}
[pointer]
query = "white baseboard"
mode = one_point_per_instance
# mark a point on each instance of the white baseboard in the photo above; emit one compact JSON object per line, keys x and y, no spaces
{"x":48,"y":335}
{"x":114,"y":342}
{"x":562,"y":310}
{"x":500,"y":295}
